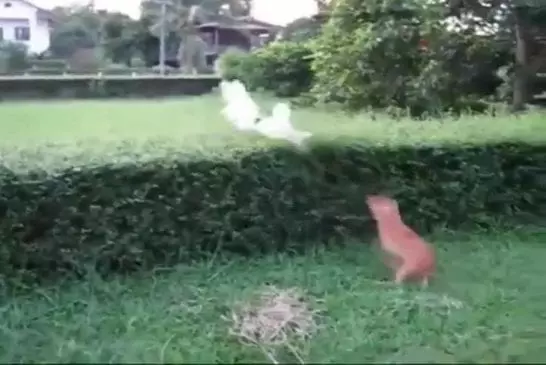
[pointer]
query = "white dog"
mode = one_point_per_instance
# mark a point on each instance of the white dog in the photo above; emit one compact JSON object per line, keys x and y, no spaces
{"x":244,"y":114}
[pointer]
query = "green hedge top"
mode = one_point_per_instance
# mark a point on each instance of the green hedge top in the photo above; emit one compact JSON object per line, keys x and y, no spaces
{"x":122,"y":214}
{"x":126,"y":192}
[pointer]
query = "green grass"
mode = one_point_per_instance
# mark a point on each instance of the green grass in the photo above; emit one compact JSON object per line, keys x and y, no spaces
{"x":55,"y":135}
{"x":486,"y":305}
{"x":196,"y":120}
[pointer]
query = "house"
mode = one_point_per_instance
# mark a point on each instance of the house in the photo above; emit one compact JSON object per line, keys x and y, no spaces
{"x":222,"y":32}
{"x":21,"y":21}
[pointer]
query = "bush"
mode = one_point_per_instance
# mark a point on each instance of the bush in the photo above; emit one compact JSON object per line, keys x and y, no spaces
{"x":119,"y":217}
{"x":99,"y":87}
{"x":115,"y":69}
{"x":53,"y":63}
{"x":286,"y":68}
{"x":393,"y":55}
{"x":86,"y":60}
{"x":45,"y":71}
{"x":238,"y":64}
{"x":138,"y":62}
{"x":124,"y":70}
{"x":281,"y":67}
{"x":13,"y":57}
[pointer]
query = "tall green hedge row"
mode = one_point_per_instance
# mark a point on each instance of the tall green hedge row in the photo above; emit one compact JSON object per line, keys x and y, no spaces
{"x":112,"y":86}
{"x":120,"y":217}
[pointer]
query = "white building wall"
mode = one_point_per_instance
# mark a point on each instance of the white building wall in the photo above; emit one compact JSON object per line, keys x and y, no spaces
{"x":14,"y":13}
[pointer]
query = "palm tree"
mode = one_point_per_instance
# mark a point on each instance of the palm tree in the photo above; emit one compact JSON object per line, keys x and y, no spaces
{"x":182,"y":19}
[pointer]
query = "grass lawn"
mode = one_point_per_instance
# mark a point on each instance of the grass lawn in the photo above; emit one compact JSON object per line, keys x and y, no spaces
{"x":485,"y":305}
{"x":67,"y":133}
{"x":197,"y":121}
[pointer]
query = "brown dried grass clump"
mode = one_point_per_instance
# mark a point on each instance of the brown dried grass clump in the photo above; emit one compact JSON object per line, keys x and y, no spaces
{"x":276,"y":318}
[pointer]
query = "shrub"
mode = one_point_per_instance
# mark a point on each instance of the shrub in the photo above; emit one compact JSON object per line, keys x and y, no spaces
{"x":285,"y":68}
{"x":138,"y":62}
{"x":168,"y":210}
{"x":100,"y":87}
{"x":85,"y":60}
{"x":388,"y":54}
{"x":45,"y":71}
{"x":238,"y":64}
{"x":115,"y":69}
{"x":281,"y":67}
{"x":13,"y":56}
{"x":51,"y":63}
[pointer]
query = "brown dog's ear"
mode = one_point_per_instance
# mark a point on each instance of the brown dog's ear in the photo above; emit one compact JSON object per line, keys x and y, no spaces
{"x":372,"y":199}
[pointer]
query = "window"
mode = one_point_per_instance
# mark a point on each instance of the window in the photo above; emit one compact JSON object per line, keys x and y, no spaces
{"x":22,"y":33}
{"x":7,"y":5}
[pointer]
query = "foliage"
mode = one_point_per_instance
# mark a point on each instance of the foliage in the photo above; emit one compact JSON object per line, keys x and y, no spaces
{"x":72,"y":36}
{"x":86,"y":60}
{"x":238,"y":64}
{"x":286,"y":67}
{"x":123,"y":38}
{"x":178,"y":12}
{"x":81,"y":27}
{"x":157,"y":206}
{"x":119,"y":33}
{"x":402,"y":55}
{"x":13,"y":56}
{"x":180,"y":22}
{"x":281,"y":67}
{"x":116,"y":67}
{"x":303,"y":29}
{"x":138,"y":62}
{"x":100,"y":87}
{"x":77,"y":27}
{"x":53,"y":63}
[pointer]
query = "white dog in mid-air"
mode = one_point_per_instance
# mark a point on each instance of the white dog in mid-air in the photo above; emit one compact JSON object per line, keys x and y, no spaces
{"x":244,"y":114}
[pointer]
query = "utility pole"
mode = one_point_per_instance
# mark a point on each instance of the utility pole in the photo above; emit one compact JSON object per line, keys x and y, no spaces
{"x":162,"y":39}
{"x":162,"y":33}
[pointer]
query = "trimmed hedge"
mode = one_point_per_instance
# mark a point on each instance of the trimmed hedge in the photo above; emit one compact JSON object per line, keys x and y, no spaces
{"x":105,"y":71}
{"x":115,"y":217}
{"x":53,"y":87}
{"x":53,"y":63}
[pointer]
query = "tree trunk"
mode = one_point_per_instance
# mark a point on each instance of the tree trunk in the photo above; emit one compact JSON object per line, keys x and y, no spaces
{"x":521,"y":74}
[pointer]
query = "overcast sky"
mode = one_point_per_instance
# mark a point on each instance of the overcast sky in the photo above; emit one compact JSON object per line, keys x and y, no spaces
{"x":273,"y":11}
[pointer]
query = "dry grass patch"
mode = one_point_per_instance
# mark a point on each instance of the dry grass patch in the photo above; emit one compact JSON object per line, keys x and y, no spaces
{"x":275,"y":319}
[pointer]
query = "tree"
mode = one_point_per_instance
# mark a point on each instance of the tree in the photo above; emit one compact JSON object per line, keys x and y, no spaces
{"x":77,"y":27}
{"x":372,"y":55}
{"x":239,"y":8}
{"x":512,"y":20}
{"x":178,"y":23}
{"x":303,"y":29}
{"x":119,"y":37}
{"x":324,"y":5}
{"x":181,"y":22}
{"x":81,"y":27}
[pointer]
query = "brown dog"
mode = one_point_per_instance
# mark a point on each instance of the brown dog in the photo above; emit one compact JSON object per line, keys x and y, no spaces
{"x":410,"y":256}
